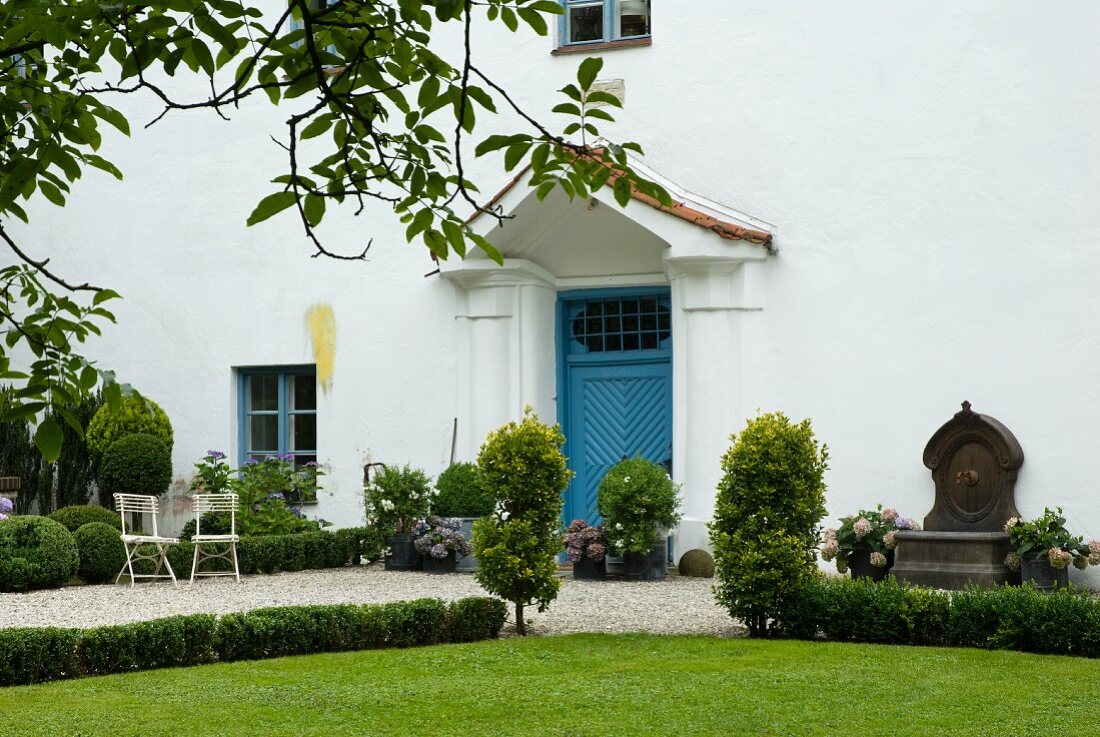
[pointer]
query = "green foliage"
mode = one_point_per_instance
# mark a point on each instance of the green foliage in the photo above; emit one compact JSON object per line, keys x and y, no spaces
{"x":276,"y":553}
{"x":35,"y":553}
{"x":1047,"y":535}
{"x":765,"y":530}
{"x":516,"y":547}
{"x":636,"y":499}
{"x":102,"y":554}
{"x":73,"y":518}
{"x":136,"y":464}
{"x":135,"y":415}
{"x":461,"y":492}
{"x":397,"y":497}
{"x":1063,"y":622}
{"x":46,"y":654}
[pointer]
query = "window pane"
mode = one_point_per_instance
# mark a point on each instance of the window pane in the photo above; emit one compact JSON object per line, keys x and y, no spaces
{"x":302,"y":432}
{"x":263,"y":433}
{"x":633,"y":18}
{"x":303,"y":392}
{"x":586,"y":23}
{"x":263,"y":393}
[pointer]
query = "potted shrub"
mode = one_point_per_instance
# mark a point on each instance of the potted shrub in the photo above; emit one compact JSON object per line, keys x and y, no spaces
{"x":439,"y":540}
{"x":639,"y":503}
{"x":1043,"y":548}
{"x":586,"y":548}
{"x":461,"y":494}
{"x":864,"y":544}
{"x":396,"y":499}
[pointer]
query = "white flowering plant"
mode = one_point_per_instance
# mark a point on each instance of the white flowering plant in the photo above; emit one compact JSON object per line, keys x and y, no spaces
{"x":873,"y":530}
{"x":636,"y":499}
{"x":1047,"y":535}
{"x":397,"y":497}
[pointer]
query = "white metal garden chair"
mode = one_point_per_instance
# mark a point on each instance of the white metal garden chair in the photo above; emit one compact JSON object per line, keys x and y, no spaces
{"x":140,"y":504}
{"x":215,"y":503}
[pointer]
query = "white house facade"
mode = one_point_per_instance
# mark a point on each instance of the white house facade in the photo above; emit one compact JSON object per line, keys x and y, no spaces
{"x":880,"y":210}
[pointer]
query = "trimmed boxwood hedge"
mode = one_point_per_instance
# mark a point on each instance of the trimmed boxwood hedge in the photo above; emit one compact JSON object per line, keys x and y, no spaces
{"x":1063,"y":622}
{"x":35,"y":553}
{"x":102,"y":554}
{"x":50,"y":653}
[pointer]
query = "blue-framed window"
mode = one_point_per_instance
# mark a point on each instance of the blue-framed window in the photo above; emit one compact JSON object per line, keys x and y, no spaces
{"x":277,"y":413}
{"x":600,"y":21}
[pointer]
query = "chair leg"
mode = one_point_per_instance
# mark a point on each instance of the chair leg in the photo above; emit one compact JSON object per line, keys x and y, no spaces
{"x":126,"y":565}
{"x":236,"y":568}
{"x":195,"y":562}
{"x":164,"y":559}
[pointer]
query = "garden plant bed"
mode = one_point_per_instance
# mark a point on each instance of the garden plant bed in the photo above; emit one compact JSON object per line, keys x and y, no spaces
{"x":779,"y":686}
{"x":676,"y":606}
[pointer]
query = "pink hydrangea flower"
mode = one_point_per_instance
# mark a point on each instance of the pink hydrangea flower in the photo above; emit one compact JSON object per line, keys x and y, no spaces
{"x":1012,"y":562}
{"x":889,"y":515}
{"x":1012,"y":521}
{"x":862,"y":528}
{"x":878,"y":560}
{"x":1059,"y":558}
{"x":830,"y":549}
{"x":1094,"y":559}
{"x":830,"y":533}
{"x":1080,"y":562}
{"x":1094,"y":546}
{"x":890,"y":540}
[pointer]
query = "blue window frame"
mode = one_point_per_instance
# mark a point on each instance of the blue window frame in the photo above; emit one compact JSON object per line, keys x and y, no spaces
{"x":277,"y":413}
{"x":600,"y":21}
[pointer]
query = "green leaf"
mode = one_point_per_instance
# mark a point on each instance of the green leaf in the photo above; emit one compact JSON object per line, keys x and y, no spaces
{"x":314,"y":207}
{"x":47,"y":438}
{"x":588,"y":70}
{"x":271,"y":205}
{"x":622,"y":191}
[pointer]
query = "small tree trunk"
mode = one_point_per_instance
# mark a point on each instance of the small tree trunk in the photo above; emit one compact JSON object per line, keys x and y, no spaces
{"x":521,"y":628}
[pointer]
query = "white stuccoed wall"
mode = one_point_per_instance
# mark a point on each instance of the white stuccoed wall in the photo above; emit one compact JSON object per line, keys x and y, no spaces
{"x":932,"y":167}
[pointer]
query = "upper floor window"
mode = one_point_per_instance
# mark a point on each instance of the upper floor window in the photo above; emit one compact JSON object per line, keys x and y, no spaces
{"x":596,"y":21}
{"x":278,"y":413}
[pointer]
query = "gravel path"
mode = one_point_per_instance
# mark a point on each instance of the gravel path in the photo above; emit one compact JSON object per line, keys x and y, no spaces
{"x":676,"y":606}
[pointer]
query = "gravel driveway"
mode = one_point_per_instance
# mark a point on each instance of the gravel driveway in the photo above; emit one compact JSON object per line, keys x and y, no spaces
{"x":676,"y":606}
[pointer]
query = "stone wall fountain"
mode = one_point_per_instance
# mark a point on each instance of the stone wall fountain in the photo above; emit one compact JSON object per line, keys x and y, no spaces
{"x":974,"y":461}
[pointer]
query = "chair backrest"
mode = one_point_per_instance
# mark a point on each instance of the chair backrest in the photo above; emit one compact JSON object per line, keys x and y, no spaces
{"x":137,"y":504}
{"x":204,"y":503}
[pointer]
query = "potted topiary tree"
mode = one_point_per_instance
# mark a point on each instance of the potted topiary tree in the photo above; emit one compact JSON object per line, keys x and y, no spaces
{"x":396,"y":499}
{"x":639,"y":502}
{"x":461,"y":494}
{"x":518,"y":544}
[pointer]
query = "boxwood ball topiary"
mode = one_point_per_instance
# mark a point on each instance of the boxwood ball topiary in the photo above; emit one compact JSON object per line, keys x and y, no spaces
{"x":137,"y":415}
{"x":77,"y":516}
{"x":101,"y":552}
{"x":697,"y":564}
{"x":462,"y":493}
{"x":36,"y":553}
{"x":136,"y":464}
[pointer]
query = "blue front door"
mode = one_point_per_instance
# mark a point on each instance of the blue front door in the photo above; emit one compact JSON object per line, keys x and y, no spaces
{"x":616,"y":379}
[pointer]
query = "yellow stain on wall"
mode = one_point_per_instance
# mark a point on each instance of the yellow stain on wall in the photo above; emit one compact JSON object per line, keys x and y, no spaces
{"x":321,"y":322}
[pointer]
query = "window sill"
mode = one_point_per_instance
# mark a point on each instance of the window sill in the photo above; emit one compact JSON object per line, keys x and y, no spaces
{"x":628,"y":43}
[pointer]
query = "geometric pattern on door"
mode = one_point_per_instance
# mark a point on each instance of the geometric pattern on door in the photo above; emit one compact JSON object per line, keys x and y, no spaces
{"x":617,"y":416}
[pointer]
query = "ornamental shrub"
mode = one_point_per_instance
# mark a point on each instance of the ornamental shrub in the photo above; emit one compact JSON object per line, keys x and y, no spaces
{"x":73,"y":518}
{"x":137,"y":415}
{"x":136,"y":464}
{"x":516,"y":546}
{"x":35,"y":553}
{"x":397,"y":497}
{"x":461,"y":492}
{"x":636,"y":499}
{"x":771,"y":499}
{"x":102,"y":554}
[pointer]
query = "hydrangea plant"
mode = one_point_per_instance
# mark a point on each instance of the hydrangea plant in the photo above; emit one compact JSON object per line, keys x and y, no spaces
{"x":6,"y":508}
{"x":873,"y":530}
{"x":582,"y":540}
{"x":439,"y":537}
{"x":1048,"y":534}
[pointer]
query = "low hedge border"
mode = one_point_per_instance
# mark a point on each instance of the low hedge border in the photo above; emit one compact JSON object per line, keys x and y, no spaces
{"x":1062,"y":622}
{"x":276,"y":553}
{"x":34,"y":655}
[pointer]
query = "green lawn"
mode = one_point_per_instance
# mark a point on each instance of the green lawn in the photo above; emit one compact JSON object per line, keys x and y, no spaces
{"x":583,"y":685}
